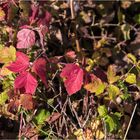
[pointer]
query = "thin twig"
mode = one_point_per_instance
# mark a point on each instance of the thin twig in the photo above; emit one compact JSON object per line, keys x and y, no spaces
{"x":20,"y":128}
{"x":72,"y":9}
{"x":71,"y":106}
{"x":130,"y":121}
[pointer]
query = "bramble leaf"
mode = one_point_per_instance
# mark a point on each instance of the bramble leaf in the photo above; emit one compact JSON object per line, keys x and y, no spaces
{"x":3,"y":97}
{"x":39,"y":67}
{"x":97,"y":86}
{"x":26,"y":81}
{"x":8,"y":54}
{"x":113,"y":91}
{"x":21,"y":63}
{"x":74,"y":78}
{"x":26,"y":101}
{"x":42,"y":115}
{"x":131,"y":78}
{"x":111,"y":74}
{"x":102,"y":110}
{"x":26,"y":38}
{"x":132,"y":58}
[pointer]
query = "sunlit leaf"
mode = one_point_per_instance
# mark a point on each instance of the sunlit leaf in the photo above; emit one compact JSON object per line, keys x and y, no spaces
{"x":2,"y":14}
{"x":41,"y":116}
{"x":102,"y":110}
{"x":113,"y":91}
{"x":131,"y":78}
{"x":112,"y":122}
{"x":3,"y":97}
{"x":4,"y":71}
{"x":26,"y":81}
{"x":99,"y":134}
{"x":8,"y":54}
{"x":21,"y":63}
{"x":26,"y":38}
{"x":131,"y":58}
{"x":97,"y":86}
{"x":74,"y":78}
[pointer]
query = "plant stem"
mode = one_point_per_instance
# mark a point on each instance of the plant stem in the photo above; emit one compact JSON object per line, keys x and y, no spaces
{"x":130,"y":121}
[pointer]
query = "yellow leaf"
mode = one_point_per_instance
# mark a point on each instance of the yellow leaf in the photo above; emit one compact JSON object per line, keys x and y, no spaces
{"x":101,"y":43}
{"x":4,"y":71}
{"x":131,"y":58}
{"x":90,"y":64}
{"x":8,"y":54}
{"x":2,"y":14}
{"x":97,"y":86}
{"x":113,"y":91}
{"x":111,"y":74}
{"x":79,"y":134}
{"x":131,"y":78}
{"x":99,"y":134}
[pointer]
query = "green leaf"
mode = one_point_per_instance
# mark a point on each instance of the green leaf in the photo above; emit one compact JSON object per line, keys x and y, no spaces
{"x":113,"y":91}
{"x":131,"y":78}
{"x":50,"y":101}
{"x":132,"y":58}
{"x":112,"y":122}
{"x":126,"y":31}
{"x":3,"y":98}
{"x":137,"y":18}
{"x":102,"y":110}
{"x":42,"y":115}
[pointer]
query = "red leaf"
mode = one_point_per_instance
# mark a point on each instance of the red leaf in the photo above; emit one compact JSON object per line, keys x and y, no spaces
{"x":27,"y":81}
{"x":39,"y":67}
{"x":44,"y":19}
{"x":21,"y":63}
{"x":26,"y":101}
{"x":26,"y":38}
{"x":74,"y":78}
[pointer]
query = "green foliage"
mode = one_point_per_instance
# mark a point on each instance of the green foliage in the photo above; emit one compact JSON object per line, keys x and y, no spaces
{"x":3,"y":98}
{"x":131,"y":78}
{"x":102,"y":110}
{"x":42,"y":116}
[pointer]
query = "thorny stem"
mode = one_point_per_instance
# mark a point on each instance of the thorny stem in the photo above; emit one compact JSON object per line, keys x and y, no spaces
{"x":130,"y":121}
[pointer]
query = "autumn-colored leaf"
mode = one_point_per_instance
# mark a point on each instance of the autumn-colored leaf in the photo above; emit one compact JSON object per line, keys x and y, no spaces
{"x":2,"y":14}
{"x":39,"y":67}
{"x":74,"y":78}
{"x":26,"y":101}
{"x":8,"y":54}
{"x":4,"y":71}
{"x":26,"y":38}
{"x":26,"y":81}
{"x":111,"y":74}
{"x":53,"y":117}
{"x":96,"y":86}
{"x":21,"y":63}
{"x":45,"y":19}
